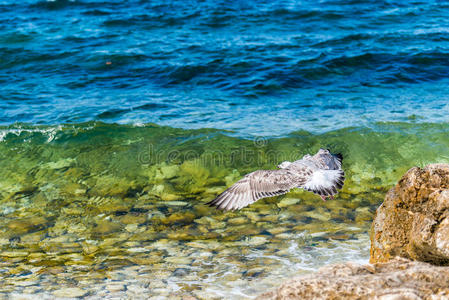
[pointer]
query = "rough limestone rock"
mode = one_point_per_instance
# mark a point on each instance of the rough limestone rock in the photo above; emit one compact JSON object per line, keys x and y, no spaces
{"x":413,"y":221}
{"x":397,"y":279}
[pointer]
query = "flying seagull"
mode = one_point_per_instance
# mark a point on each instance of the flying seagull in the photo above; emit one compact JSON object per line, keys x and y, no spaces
{"x":320,"y":174}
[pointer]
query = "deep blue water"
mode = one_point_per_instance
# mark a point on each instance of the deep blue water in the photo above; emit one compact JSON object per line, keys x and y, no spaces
{"x":253,"y":67}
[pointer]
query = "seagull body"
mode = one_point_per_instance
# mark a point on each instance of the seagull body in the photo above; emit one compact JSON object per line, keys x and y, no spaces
{"x":321,"y":174}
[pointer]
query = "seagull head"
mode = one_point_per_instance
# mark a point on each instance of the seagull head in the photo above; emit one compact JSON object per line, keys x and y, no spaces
{"x":332,"y":160}
{"x":284,"y":164}
{"x":323,"y":151}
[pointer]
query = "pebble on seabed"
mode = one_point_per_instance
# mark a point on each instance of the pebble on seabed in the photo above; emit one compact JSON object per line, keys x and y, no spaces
{"x":89,"y":230}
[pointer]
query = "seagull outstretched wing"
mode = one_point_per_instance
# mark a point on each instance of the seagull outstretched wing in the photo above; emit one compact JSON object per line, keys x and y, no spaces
{"x":320,"y":174}
{"x":257,"y":185}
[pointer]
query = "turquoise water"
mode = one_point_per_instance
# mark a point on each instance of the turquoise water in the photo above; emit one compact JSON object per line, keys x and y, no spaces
{"x":120,"y":120}
{"x":110,"y":210}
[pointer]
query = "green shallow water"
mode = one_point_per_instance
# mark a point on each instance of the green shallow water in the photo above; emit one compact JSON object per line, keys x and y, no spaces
{"x":110,"y":210}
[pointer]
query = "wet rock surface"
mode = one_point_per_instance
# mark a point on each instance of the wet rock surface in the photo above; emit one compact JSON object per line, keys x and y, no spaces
{"x":396,"y":279}
{"x":409,"y":237}
{"x":413,"y":221}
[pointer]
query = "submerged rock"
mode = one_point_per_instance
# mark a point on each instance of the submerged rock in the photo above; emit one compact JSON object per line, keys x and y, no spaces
{"x":396,"y":279}
{"x":413,"y":221}
{"x":288,"y":201}
{"x":70,"y":292}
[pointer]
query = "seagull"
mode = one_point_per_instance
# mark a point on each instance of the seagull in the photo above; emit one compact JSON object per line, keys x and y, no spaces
{"x":321,"y":174}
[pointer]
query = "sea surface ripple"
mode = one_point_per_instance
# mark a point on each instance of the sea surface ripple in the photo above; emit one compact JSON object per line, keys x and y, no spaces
{"x":119,"y":120}
{"x":256,"y":68}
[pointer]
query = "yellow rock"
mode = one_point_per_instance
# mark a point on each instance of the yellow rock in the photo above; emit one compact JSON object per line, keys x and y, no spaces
{"x":105,"y":227}
{"x":89,"y":248}
{"x":70,"y":292}
{"x":288,"y":201}
{"x":179,"y":260}
{"x":32,"y":238}
{"x":257,"y":240}
{"x":133,"y":219}
{"x":25,"y":225}
{"x":238,"y":221}
{"x":74,"y":189}
{"x":165,"y":171}
{"x":185,"y":217}
{"x":277,"y":230}
{"x":170,"y":197}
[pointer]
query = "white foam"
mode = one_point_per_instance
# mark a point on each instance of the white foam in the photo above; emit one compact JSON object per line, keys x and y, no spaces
{"x":49,"y":132}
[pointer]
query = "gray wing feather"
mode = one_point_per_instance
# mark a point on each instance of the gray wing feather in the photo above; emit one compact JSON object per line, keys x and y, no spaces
{"x":257,"y":185}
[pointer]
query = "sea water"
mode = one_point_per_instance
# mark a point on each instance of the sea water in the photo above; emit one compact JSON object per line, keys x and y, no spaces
{"x":120,"y":120}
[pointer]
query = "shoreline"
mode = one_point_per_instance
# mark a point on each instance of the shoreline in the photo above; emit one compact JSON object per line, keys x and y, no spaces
{"x":409,"y":252}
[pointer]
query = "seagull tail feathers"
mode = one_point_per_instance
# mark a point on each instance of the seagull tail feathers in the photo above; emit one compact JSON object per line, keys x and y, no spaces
{"x":326,"y":182}
{"x":339,"y":156}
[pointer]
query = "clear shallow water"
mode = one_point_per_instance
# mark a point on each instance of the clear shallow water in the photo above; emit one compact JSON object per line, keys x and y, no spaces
{"x":118,"y":121}
{"x":118,"y":210}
